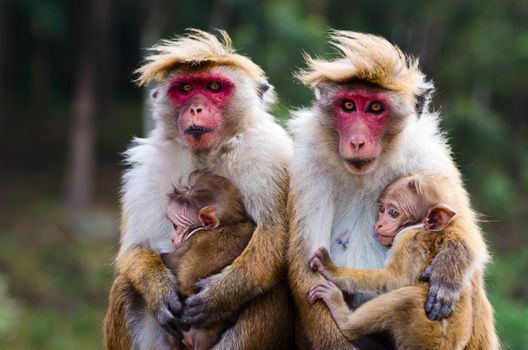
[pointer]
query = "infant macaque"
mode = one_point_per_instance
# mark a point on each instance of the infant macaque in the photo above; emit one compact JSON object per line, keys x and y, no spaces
{"x":211,"y":228}
{"x":402,"y":205}
{"x":416,"y":220}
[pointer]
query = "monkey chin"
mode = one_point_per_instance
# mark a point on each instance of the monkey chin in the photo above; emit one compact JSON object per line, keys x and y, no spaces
{"x":360,"y":166}
{"x":203,"y":141}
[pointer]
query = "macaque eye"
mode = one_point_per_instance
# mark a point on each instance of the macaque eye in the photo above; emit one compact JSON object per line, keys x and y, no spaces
{"x":174,"y":226}
{"x":376,"y":107}
{"x":348,"y":105}
{"x":214,"y":86}
{"x":185,"y":88}
{"x":394,"y":213}
{"x":381,"y":208}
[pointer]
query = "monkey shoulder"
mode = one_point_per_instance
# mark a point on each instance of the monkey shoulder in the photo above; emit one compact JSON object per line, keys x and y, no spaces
{"x":256,"y":161}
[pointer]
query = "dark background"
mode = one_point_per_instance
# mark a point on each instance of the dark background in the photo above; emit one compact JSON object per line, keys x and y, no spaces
{"x":68,"y":109}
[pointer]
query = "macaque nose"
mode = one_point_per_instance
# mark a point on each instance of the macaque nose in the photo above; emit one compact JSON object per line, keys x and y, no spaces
{"x":196,"y":110}
{"x":357,"y":143}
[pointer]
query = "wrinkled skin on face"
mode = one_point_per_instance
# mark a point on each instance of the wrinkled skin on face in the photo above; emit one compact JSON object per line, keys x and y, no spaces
{"x":391,"y":219}
{"x":363,"y":118}
{"x":200,"y":100}
{"x":183,"y":221}
{"x":400,"y":205}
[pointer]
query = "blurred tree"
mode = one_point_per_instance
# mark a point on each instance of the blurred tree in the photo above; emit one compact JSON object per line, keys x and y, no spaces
{"x":86,"y":104}
{"x":3,"y":73}
{"x":66,"y":92}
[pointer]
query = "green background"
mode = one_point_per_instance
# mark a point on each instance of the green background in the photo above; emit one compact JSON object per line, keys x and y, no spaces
{"x":56,"y":257}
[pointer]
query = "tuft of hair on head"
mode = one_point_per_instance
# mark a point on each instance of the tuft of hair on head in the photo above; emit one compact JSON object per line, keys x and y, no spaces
{"x":368,"y":58}
{"x":195,"y":49}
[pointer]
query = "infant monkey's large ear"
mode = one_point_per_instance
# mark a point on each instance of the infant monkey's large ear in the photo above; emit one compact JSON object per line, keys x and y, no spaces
{"x":438,"y":217}
{"x":208,"y":217}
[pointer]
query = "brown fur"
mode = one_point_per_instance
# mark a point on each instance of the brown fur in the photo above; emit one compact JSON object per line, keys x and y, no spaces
{"x":219,"y":245}
{"x":401,"y":310}
{"x":120,"y":303}
{"x":254,"y":285}
{"x":375,"y":64}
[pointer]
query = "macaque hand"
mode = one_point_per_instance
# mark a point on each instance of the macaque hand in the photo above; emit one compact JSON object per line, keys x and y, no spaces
{"x":328,"y":292}
{"x":425,"y":276}
{"x":204,"y":308}
{"x":321,"y":262}
{"x":442,"y":298}
{"x":166,"y":310}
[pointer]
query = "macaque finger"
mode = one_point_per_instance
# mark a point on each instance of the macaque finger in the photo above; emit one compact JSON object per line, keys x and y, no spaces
{"x":425,"y":276}
{"x":322,"y":254}
{"x":168,"y":321}
{"x":317,"y":292}
{"x":431,"y":300}
{"x":196,"y":314}
{"x":443,"y":303}
{"x":315,"y":264}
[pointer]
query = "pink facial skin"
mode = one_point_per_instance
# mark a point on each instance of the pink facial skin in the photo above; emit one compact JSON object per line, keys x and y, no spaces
{"x":390,"y":221}
{"x":200,"y":99}
{"x":182,"y":219}
{"x":361,"y":130}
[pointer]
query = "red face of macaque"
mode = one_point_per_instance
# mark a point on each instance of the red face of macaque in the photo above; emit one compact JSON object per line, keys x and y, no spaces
{"x":362,"y":119}
{"x":200,"y":99}
{"x":391,"y":219}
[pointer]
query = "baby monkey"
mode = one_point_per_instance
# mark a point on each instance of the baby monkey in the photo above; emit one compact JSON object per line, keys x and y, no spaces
{"x":211,"y":229}
{"x":416,"y":221}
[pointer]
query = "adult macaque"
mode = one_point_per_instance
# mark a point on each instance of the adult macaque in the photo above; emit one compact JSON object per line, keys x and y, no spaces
{"x":416,"y":221}
{"x":211,"y":228}
{"x":210,"y":108}
{"x":369,"y":124}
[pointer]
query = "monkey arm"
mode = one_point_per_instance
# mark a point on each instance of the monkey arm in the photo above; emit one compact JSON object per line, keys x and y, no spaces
{"x":368,"y":281}
{"x":256,"y":270}
{"x":148,"y":275}
{"x":401,"y":271}
{"x":449,"y":272}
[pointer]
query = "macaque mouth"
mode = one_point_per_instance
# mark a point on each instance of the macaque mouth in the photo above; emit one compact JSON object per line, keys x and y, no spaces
{"x":197,"y":131}
{"x":360,"y":163}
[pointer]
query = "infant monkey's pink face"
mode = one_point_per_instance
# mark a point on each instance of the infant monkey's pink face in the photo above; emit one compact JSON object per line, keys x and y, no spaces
{"x":183,"y":221}
{"x":390,"y":220}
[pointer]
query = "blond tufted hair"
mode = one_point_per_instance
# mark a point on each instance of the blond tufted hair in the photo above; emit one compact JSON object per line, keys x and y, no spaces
{"x":368,"y":58}
{"x":194,"y":49}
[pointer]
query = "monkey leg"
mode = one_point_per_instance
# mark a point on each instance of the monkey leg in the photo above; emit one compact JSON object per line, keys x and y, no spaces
{"x":402,"y":314}
{"x":127,"y":321}
{"x":116,"y":329}
{"x":484,"y":336}
{"x":265,"y":323}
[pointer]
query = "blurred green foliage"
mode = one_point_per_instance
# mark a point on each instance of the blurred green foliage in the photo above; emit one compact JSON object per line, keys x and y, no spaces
{"x":54,"y":275}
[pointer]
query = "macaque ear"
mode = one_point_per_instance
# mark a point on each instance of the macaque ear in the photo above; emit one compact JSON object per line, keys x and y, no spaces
{"x":262,"y":88}
{"x":155,"y":93}
{"x":413,"y":185}
{"x":321,"y":91}
{"x":266,"y":93}
{"x":208,"y":217}
{"x":438,"y":217}
{"x":423,"y":100}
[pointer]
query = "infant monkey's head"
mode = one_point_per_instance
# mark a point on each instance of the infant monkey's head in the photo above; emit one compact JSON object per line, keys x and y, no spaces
{"x":207,"y":203}
{"x":411,"y":200}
